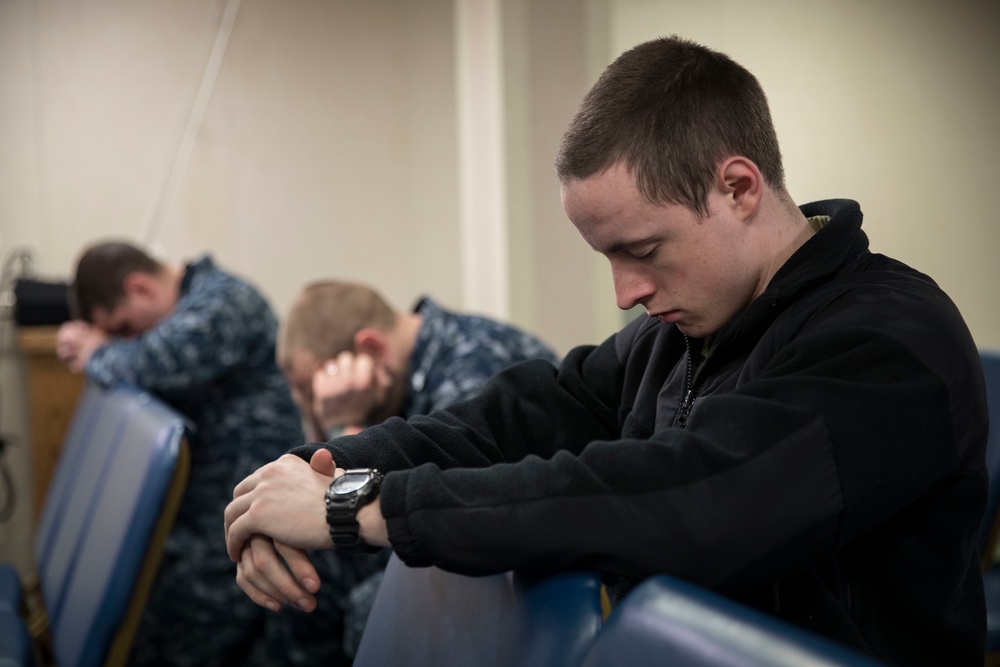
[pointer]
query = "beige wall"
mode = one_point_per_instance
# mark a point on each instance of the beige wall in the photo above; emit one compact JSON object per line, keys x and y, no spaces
{"x":329,"y":143}
{"x":553,"y":52}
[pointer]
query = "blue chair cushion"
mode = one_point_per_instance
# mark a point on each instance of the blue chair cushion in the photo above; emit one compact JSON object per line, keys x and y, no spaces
{"x":991,"y":373}
{"x":15,"y":643}
{"x":10,"y":588}
{"x":991,"y":586}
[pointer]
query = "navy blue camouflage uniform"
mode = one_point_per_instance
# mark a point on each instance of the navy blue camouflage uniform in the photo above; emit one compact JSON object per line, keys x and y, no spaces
{"x":452,"y":359}
{"x":212,"y":358}
{"x":456,"y":354}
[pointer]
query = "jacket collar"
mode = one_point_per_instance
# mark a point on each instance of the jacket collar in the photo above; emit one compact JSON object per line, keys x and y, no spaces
{"x":819,"y":258}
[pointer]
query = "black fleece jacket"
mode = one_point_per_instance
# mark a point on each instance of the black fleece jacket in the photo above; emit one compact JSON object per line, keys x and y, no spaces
{"x":824,"y":463}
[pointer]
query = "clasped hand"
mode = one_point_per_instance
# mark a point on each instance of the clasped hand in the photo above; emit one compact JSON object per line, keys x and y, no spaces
{"x":278,"y":513}
{"x":76,"y":341}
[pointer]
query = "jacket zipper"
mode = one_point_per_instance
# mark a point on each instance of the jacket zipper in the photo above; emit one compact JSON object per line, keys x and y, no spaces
{"x":690,"y":393}
{"x":689,"y":387}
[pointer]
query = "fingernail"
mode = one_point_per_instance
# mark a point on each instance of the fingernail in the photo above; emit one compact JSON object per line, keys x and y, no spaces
{"x":309,"y":583}
{"x":304,"y":604}
{"x":272,"y":605}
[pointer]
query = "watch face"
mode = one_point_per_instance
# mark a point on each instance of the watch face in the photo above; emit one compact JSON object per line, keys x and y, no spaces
{"x":350,"y":482}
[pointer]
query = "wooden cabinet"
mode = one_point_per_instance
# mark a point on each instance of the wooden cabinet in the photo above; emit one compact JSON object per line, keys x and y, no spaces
{"x":52,"y":395}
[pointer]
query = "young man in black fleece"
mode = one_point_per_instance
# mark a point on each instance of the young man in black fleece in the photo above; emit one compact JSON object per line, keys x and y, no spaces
{"x":799,"y":423}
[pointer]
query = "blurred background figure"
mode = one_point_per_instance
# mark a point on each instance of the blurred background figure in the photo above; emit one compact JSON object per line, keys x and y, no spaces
{"x":352,"y":361}
{"x":202,"y":340}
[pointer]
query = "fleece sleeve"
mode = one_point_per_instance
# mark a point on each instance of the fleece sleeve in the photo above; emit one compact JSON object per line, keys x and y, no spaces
{"x":823,"y":435}
{"x":836,"y":433}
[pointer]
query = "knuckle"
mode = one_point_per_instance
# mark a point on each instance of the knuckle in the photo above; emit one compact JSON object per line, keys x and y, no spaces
{"x":257,"y":561}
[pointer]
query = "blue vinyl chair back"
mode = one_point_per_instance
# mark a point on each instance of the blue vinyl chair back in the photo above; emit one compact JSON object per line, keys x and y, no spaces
{"x":15,"y":642}
{"x":85,"y":417}
{"x":93,"y":436}
{"x":665,"y":621}
{"x":10,"y":588}
{"x":560,"y":615}
{"x":991,"y":372}
{"x":425,"y":617}
{"x":132,"y":475}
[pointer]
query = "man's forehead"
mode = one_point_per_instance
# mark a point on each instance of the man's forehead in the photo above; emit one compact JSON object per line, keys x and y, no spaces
{"x":610,"y":225}
{"x":610,"y":193}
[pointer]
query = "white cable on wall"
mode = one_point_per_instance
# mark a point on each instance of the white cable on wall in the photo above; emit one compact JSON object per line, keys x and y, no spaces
{"x":165,"y":196}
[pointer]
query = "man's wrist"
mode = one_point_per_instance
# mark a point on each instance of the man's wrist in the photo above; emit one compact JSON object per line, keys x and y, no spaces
{"x":373,"y":528}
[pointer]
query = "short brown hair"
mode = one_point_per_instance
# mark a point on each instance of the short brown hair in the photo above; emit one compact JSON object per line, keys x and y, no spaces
{"x":672,"y":110}
{"x":325,"y":317}
{"x":100,"y":276}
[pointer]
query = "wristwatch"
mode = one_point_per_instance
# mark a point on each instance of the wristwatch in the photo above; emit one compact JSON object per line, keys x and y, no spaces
{"x":344,"y":497}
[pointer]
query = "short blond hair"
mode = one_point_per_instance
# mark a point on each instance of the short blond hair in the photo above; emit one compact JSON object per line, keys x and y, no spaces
{"x":325,"y":317}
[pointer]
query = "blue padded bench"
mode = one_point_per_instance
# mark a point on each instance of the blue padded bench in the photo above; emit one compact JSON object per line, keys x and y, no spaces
{"x":666,"y":621}
{"x":989,"y":529}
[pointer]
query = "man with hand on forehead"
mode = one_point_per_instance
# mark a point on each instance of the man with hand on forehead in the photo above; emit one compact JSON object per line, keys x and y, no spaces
{"x":352,"y":361}
{"x":202,"y":340}
{"x":799,"y":424}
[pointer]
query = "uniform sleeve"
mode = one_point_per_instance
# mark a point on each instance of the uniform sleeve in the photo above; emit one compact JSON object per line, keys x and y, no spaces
{"x":467,"y":378}
{"x":206,"y":337}
{"x":473,"y":359}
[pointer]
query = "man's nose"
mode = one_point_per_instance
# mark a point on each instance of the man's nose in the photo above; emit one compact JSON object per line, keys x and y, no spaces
{"x":631,"y":286}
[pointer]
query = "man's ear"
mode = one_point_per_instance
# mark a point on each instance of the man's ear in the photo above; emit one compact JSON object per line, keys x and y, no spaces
{"x":372,"y":342}
{"x":742,"y":185}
